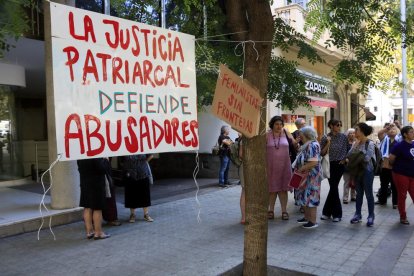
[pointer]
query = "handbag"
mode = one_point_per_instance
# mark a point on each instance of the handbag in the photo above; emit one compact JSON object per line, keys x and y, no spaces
{"x":325,"y":166}
{"x":215,"y":150}
{"x":292,"y":149}
{"x":298,"y":179}
{"x":131,"y":174}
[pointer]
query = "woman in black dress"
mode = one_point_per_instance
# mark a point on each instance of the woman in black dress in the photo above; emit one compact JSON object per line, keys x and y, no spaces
{"x":92,"y":197}
{"x":137,"y":184}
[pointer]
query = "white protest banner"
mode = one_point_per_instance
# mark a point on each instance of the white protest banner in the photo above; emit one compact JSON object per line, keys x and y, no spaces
{"x":121,"y":87}
{"x":237,"y":102}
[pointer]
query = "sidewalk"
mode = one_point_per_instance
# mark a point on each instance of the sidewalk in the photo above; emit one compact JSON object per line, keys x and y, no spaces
{"x":177,"y":244}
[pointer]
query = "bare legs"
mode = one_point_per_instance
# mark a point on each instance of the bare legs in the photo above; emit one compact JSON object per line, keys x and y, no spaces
{"x":310,"y":214}
{"x":93,"y":222}
{"x":283,"y":198}
{"x":146,"y":215}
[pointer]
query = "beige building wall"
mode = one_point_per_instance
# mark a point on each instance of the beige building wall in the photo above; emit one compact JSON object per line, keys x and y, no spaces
{"x":294,"y":16}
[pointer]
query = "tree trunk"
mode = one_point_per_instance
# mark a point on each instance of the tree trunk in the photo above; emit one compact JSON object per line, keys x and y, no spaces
{"x":255,"y":17}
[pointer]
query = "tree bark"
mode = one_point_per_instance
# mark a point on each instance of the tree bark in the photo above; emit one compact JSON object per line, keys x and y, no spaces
{"x":255,"y":17}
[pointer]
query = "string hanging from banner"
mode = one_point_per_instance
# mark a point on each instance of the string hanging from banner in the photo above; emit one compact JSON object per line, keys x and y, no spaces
{"x":195,"y":172}
{"x":239,"y":43}
{"x":243,"y":44}
{"x":42,"y":202}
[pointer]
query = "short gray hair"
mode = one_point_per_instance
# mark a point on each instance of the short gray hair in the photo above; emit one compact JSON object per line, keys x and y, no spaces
{"x":309,"y":132}
{"x":299,"y":121}
{"x":349,"y":130}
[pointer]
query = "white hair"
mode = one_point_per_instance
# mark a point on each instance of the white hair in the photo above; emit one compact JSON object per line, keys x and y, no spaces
{"x":309,"y":132}
{"x":349,"y":130}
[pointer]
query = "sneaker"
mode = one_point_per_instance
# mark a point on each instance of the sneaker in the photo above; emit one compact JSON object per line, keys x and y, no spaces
{"x":132,"y":218}
{"x":323,"y":217}
{"x":310,"y":225}
{"x":148,"y":218}
{"x":353,"y":199}
{"x":223,"y":186}
{"x":370,"y":222}
{"x":302,"y":220}
{"x":355,"y":219}
{"x":394,"y":206}
{"x":380,"y":203}
{"x":345,"y":201}
{"x":336,"y":219}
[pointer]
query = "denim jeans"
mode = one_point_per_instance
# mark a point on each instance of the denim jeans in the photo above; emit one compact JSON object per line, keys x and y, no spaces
{"x":364,"y":184}
{"x":224,"y":169}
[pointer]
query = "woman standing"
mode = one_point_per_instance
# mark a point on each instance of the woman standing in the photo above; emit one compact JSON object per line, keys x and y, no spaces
{"x":308,"y":161}
{"x":349,"y":185}
{"x":224,"y":142}
{"x":335,"y":144}
{"x":402,"y":161}
{"x":279,"y":169}
{"x":92,"y":197}
{"x":137,"y":184}
{"x":364,"y":183}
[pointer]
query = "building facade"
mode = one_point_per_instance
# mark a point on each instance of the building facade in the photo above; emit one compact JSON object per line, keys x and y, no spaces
{"x":328,"y":99}
{"x":24,"y":131}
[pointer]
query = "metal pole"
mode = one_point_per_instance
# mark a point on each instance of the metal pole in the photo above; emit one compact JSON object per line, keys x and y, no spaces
{"x":107,"y":7}
{"x":205,"y":21}
{"x":404,"y":67}
{"x":163,"y":23}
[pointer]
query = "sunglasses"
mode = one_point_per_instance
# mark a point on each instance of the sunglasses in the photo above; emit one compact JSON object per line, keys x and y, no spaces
{"x":338,"y":125}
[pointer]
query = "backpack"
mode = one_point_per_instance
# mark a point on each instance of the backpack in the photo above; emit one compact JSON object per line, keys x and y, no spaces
{"x":234,"y":154}
{"x":377,"y":163}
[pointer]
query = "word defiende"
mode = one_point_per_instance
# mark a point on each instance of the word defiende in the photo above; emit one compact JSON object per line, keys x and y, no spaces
{"x":134,"y":102}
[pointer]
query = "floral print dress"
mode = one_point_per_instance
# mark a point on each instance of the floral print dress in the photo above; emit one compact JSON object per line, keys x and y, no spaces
{"x":310,"y":195}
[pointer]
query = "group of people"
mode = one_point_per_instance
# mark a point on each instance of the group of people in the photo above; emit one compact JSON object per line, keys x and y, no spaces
{"x":352,"y":155}
{"x":97,"y":192}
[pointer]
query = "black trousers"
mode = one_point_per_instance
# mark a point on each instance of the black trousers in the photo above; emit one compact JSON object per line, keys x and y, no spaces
{"x":333,"y":205}
{"x":386,"y":178}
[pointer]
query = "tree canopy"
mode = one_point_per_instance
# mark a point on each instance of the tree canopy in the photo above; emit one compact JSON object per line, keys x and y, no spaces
{"x":368,"y":33}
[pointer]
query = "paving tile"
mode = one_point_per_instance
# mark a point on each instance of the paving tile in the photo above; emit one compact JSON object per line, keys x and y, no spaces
{"x":177,"y":244}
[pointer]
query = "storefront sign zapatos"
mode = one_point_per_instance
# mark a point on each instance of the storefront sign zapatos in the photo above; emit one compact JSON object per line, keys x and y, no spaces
{"x":316,"y":87}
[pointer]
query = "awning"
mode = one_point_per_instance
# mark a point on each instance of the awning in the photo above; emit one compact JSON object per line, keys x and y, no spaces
{"x":369,"y":116}
{"x":11,"y":74}
{"x":320,"y":102}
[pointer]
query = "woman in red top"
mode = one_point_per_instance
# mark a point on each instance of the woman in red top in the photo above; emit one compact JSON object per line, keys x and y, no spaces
{"x":402,"y":161}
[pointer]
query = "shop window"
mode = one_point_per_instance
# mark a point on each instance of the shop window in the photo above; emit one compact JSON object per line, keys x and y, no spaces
{"x":397,"y":114}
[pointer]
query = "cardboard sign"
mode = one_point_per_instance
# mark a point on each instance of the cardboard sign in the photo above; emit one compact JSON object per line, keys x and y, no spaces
{"x":237,"y":103}
{"x":121,"y":87}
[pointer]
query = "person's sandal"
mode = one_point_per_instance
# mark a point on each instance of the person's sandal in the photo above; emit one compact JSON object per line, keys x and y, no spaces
{"x":90,"y":235}
{"x":147,"y":218}
{"x":285,"y":216}
{"x":101,"y":237}
{"x":270,"y":215}
{"x":404,"y":221}
{"x":132,"y":218}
